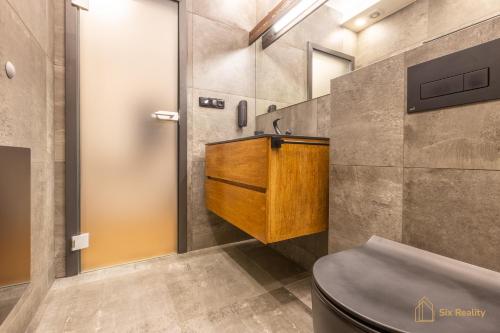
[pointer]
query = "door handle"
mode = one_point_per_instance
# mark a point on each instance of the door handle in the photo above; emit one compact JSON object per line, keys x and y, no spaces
{"x":166,"y":115}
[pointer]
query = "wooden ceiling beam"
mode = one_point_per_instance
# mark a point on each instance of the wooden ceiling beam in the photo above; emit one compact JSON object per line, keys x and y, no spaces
{"x":272,"y":17}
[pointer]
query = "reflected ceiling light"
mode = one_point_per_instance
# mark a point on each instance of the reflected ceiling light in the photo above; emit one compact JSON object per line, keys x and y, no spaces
{"x":357,"y":15}
{"x":360,"y":22}
{"x":298,"y":12}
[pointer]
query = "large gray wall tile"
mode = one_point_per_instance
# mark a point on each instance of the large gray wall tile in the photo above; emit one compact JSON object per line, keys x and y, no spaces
{"x":207,"y":229}
{"x":421,"y":21}
{"x":367,"y":115}
{"x":59,"y":138}
{"x":220,"y":65}
{"x":281,"y":73}
{"x":210,"y":125}
{"x":262,"y":106}
{"x":59,"y":219}
{"x":222,"y":59}
{"x":237,"y":13}
{"x":189,"y":65}
{"x":454,"y":213}
{"x":449,"y":15}
{"x":364,"y":201}
{"x":59,"y":32}
{"x":264,"y":6}
{"x":454,"y":42}
{"x":26,"y":120}
{"x":447,"y":207}
{"x":304,"y":250}
{"x":400,"y":31}
{"x":303,"y":118}
{"x":300,"y":118}
{"x":460,"y":137}
{"x":59,"y":113}
{"x":324,"y":115}
{"x":36,"y":15}
{"x":22,"y":99}
{"x":215,"y":231}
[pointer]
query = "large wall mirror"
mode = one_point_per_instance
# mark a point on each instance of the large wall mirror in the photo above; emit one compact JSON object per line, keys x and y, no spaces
{"x":301,"y":45}
{"x":15,"y":233}
{"x":296,"y":65}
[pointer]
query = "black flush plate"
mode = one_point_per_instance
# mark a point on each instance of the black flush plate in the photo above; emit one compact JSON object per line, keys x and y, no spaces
{"x":468,"y":76}
{"x":214,"y":103}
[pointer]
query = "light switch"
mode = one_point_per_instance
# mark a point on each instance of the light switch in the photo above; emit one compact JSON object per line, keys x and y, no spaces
{"x":208,"y":102}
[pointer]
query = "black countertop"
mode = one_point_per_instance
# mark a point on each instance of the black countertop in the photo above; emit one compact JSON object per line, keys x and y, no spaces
{"x":270,"y":136}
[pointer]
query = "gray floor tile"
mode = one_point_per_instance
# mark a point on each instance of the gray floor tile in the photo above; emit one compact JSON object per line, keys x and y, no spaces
{"x":302,"y":290}
{"x":235,"y":288}
{"x":275,"y":311}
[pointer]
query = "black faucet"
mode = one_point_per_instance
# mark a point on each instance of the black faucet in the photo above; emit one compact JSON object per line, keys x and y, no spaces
{"x":277,"y":129}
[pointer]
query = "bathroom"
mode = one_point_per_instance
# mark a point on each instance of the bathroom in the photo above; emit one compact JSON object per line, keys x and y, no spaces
{"x":144,"y":185}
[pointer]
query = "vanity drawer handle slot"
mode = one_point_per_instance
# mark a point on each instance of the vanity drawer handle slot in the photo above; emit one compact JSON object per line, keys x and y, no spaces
{"x":277,"y":142}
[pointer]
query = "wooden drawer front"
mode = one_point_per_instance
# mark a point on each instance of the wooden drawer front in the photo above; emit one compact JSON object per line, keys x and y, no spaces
{"x":298,"y":191}
{"x":242,"y":162}
{"x":244,"y":208}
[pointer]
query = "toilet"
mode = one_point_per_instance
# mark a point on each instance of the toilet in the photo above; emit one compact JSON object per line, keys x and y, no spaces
{"x":385,"y":286}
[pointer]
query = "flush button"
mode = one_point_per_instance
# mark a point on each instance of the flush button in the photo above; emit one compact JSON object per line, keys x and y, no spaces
{"x":477,"y":79}
{"x":446,"y":86}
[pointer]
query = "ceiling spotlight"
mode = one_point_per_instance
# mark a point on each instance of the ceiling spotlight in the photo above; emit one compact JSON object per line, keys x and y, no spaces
{"x":360,"y":22}
{"x":374,"y":15}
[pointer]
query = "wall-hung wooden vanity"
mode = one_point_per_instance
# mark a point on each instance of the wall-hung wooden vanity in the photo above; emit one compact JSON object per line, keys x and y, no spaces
{"x":271,"y":187}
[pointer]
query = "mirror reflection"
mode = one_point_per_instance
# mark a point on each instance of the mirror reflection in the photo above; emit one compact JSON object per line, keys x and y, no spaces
{"x":303,"y":51}
{"x":15,"y":253}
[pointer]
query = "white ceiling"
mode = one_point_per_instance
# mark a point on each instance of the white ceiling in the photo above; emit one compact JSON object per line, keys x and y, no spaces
{"x":350,"y":8}
{"x":357,"y":14}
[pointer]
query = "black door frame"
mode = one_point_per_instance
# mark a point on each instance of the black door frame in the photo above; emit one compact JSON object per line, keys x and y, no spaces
{"x":72,"y":134}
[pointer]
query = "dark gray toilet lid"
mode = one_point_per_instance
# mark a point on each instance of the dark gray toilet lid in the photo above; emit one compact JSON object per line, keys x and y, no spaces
{"x":382,"y":282}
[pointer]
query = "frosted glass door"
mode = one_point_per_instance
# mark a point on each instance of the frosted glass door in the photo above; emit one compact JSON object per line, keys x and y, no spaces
{"x":128,"y":71}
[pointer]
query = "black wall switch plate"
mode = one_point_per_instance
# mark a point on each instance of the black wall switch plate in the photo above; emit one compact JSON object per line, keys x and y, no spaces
{"x":214,"y":103}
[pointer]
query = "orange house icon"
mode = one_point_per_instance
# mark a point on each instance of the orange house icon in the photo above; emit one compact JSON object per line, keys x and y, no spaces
{"x":424,"y":311}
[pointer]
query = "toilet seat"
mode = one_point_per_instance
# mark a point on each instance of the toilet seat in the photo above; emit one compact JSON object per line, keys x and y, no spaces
{"x":384,"y":286}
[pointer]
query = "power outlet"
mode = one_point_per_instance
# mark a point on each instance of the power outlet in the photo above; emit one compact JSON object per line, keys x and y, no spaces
{"x":214,"y":103}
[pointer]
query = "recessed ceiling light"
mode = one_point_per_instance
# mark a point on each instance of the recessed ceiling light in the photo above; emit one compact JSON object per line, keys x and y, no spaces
{"x":350,"y":8}
{"x":360,"y":22}
{"x":374,"y":15}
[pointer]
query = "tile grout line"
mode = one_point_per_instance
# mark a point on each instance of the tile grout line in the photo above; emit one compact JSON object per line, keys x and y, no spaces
{"x":219,"y":22}
{"x":219,"y":92}
{"x":29,"y":30}
{"x":414,"y":167}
